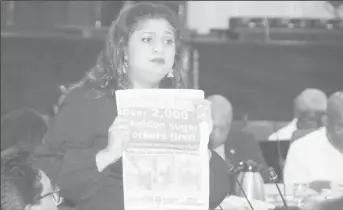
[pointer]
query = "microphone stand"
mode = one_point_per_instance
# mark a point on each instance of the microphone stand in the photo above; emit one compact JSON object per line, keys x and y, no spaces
{"x":273,"y":177}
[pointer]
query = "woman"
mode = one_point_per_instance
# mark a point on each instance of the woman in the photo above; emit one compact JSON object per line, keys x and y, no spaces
{"x":83,"y":150}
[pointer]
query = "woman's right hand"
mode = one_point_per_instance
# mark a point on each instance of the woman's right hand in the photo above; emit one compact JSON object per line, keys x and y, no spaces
{"x":118,"y":137}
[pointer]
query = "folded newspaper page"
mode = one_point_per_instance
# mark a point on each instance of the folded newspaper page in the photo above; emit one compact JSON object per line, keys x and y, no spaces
{"x":165,"y":166}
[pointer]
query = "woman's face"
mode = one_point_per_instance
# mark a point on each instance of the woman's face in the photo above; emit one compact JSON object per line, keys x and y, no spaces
{"x":151,"y":52}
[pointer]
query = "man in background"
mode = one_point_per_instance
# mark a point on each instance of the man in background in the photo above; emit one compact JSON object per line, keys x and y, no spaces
{"x":233,"y":146}
{"x":309,"y":107}
{"x":24,"y":187}
{"x":221,"y":111}
{"x":318,"y":156}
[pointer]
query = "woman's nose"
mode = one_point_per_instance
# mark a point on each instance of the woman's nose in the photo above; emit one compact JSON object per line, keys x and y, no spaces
{"x":158,"y":46}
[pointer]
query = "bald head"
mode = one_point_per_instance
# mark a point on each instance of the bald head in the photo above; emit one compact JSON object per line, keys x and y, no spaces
{"x":312,"y":100}
{"x":221,"y":110}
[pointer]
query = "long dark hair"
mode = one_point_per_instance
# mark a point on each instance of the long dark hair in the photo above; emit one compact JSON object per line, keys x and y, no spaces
{"x":108,"y":72}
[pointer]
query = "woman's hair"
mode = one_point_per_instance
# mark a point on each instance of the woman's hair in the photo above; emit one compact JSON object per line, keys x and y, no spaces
{"x":108,"y":71}
{"x":22,"y":127}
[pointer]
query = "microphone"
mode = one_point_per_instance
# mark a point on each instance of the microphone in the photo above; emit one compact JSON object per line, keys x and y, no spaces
{"x":274,"y":177}
{"x":241,"y":166}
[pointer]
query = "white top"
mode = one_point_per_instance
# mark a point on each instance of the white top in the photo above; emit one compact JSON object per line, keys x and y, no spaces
{"x":313,"y":158}
{"x":284,"y":133}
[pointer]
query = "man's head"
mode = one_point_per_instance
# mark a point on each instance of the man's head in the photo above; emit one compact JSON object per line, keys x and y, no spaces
{"x":309,"y":108}
{"x":24,"y":187}
{"x":23,"y":127}
{"x":335,"y":119}
{"x":221,"y":110}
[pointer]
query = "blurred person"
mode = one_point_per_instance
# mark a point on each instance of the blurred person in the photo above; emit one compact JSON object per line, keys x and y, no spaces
{"x":318,"y":156}
{"x":23,"y":128}
{"x":85,"y":142}
{"x":310,"y":100}
{"x":24,"y":187}
{"x":233,"y":146}
{"x":221,"y":110}
{"x":308,"y":122}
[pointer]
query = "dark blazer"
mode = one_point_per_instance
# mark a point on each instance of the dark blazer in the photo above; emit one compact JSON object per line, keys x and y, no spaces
{"x":242,"y":146}
{"x":77,"y":133}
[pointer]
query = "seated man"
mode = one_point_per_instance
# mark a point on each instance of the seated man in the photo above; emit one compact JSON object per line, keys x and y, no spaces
{"x":310,"y":100}
{"x":318,"y":156}
{"x":24,"y":187}
{"x":233,"y":145}
{"x":308,"y":122}
{"x":221,"y":111}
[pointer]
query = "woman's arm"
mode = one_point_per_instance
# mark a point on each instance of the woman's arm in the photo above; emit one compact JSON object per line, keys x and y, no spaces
{"x":75,"y":137}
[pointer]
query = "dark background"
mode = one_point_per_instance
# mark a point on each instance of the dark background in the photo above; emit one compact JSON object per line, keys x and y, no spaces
{"x":260,"y":79}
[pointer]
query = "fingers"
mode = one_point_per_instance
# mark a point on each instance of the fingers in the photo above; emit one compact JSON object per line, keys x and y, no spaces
{"x":202,"y":103}
{"x":120,"y":123}
{"x":204,"y":112}
{"x":118,"y":135}
{"x":203,"y":108}
{"x":119,"y":132}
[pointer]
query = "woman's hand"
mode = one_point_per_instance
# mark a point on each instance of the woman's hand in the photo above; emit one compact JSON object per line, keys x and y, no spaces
{"x":118,"y":137}
{"x":205,"y":119}
{"x":204,"y":113}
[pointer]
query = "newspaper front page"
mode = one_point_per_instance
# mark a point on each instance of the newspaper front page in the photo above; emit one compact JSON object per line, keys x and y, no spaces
{"x":165,"y":166}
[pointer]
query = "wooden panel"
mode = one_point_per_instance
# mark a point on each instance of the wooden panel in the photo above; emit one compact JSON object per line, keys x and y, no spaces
{"x":82,"y":13}
{"x":110,"y":11}
{"x":262,"y":80}
{"x":46,"y":14}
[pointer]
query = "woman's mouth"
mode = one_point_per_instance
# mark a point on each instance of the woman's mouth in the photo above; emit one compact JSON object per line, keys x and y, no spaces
{"x":158,"y":60}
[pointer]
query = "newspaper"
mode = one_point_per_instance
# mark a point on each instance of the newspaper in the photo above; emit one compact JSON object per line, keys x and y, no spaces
{"x":165,"y":166}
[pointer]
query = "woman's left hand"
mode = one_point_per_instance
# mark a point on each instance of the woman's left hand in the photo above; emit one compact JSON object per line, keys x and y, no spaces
{"x":204,"y":115}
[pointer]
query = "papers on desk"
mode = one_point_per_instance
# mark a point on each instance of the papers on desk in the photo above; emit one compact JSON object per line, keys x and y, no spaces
{"x":240,"y":203}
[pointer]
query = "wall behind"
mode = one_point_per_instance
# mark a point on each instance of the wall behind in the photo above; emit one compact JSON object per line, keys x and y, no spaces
{"x":204,"y":15}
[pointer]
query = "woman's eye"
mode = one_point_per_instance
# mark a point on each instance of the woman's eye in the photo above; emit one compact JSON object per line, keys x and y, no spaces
{"x":169,"y":41}
{"x":146,"y":39}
